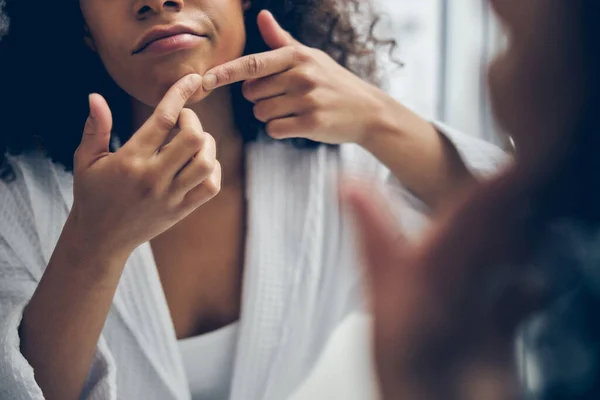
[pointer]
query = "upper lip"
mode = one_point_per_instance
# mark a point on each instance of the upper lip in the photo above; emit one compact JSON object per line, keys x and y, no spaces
{"x":161,"y":33}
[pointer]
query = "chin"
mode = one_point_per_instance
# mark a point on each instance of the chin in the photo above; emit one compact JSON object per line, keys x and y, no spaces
{"x":159,"y":86}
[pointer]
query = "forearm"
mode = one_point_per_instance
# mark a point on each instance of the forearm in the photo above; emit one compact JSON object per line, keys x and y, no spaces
{"x":62,"y":323}
{"x":419,"y":156}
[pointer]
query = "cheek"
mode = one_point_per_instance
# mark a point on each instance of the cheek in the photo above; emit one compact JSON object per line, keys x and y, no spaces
{"x":111,"y":57}
{"x":105,"y":42}
{"x":115,"y":59}
{"x":231,"y":42}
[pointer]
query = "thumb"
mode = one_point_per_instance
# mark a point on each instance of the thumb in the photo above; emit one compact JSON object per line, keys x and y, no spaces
{"x":273,"y":34}
{"x":96,"y":134}
{"x":380,"y":240}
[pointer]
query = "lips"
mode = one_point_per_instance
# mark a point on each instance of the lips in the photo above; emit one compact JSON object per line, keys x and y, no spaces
{"x":159,"y":33}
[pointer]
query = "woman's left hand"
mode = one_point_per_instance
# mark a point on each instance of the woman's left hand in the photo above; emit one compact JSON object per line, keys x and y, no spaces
{"x":301,"y":92}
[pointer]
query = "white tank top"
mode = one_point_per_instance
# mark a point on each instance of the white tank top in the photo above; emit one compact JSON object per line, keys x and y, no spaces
{"x":208,"y":361}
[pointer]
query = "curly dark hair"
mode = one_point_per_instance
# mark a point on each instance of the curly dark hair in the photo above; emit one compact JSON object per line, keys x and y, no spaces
{"x":59,"y":73}
{"x":3,"y":20}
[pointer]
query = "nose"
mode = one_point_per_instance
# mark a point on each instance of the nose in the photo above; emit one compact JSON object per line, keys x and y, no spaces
{"x":144,"y":8}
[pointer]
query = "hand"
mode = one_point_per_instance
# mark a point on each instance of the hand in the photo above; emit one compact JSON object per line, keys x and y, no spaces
{"x":126,"y":198}
{"x":300,"y":92}
{"x":446,"y":310}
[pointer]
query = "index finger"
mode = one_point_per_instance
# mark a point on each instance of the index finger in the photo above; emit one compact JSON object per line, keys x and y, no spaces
{"x":253,"y":66}
{"x":156,"y":129}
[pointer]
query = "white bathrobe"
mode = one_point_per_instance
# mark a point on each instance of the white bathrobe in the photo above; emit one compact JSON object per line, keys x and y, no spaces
{"x":301,"y":275}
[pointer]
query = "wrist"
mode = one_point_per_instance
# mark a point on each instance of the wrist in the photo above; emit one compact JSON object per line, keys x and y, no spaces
{"x":81,"y":243}
{"x":386,"y":118}
{"x":417,"y":154}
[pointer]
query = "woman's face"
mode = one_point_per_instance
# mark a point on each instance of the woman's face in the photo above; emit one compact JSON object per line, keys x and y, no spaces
{"x":214,"y":33}
{"x":537,"y":85}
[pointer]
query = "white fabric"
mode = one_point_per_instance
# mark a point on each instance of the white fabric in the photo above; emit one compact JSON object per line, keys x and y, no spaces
{"x":301,"y":276}
{"x":345,"y":369}
{"x":208,"y":362}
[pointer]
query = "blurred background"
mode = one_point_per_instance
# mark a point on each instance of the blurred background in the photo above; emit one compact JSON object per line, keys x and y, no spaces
{"x":445,"y":46}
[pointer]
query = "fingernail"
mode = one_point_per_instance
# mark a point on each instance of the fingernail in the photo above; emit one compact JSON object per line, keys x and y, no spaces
{"x":209,"y":82}
{"x":90,"y":105}
{"x":195,"y":79}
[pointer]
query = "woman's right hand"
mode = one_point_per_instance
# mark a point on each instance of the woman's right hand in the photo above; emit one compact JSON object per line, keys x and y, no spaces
{"x":128,"y":197}
{"x":446,"y":309}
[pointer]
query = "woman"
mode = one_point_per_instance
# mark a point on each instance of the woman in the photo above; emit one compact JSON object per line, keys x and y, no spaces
{"x":106,"y":268}
{"x":445,"y":320}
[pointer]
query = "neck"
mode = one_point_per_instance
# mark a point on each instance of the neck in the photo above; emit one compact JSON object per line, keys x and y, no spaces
{"x":216,"y":115}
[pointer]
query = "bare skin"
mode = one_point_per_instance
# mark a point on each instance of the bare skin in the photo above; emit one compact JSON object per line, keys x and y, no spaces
{"x":201,"y":270}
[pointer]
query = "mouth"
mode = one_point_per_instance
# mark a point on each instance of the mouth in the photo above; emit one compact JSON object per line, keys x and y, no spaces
{"x":167,"y":37}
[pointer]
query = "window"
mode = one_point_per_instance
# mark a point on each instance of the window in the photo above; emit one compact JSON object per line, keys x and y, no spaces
{"x":445,"y":45}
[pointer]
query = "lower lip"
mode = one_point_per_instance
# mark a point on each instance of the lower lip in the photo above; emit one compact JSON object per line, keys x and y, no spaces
{"x":173,"y":43}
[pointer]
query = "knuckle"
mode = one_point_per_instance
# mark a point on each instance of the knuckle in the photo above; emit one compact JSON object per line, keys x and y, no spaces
{"x":279,"y":129}
{"x":187,"y":113}
{"x":89,"y":124}
{"x":272,"y":129}
{"x":308,"y":77}
{"x":248,"y":90}
{"x":191,"y":116}
{"x":212,"y":188}
{"x":225,"y":75}
{"x":254,"y":65}
{"x":300,"y":54}
{"x":193,"y":139}
{"x":312,"y":99}
{"x":165,"y":120}
{"x":141,"y":177}
{"x":205,"y":164}
{"x":210,"y":140}
{"x":259,"y":112}
{"x":316,"y":120}
{"x":172,"y":204}
{"x":213,"y":184}
{"x":131,"y":167}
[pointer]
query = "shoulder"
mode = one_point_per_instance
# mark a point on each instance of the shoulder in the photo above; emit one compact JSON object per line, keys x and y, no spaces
{"x":29,"y":201}
{"x":15,"y":200}
{"x":31,"y":174}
